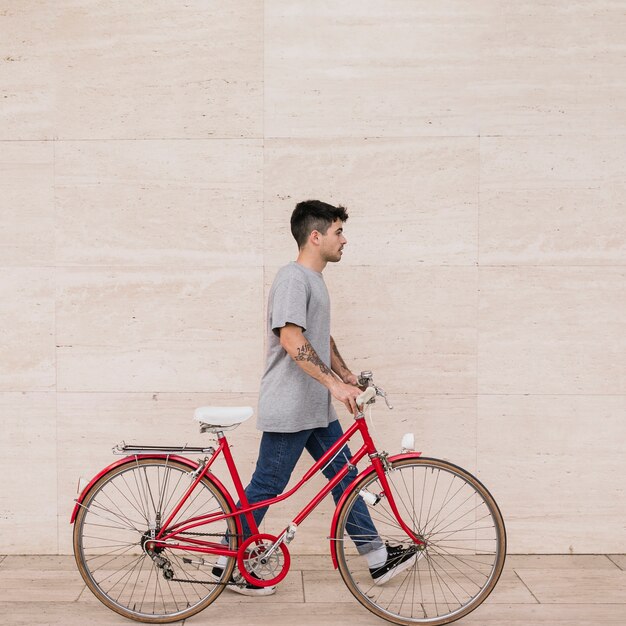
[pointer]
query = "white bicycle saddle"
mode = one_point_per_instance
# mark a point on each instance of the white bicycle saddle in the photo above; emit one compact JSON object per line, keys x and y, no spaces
{"x":223,"y":416}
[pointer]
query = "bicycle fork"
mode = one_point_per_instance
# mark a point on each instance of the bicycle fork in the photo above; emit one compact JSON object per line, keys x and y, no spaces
{"x":382,"y":466}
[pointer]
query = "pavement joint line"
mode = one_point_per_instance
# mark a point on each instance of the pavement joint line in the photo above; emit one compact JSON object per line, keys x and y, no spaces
{"x":82,"y":593}
{"x":614,"y":563}
{"x":527,"y":587}
{"x":557,"y":602}
{"x":303,"y":587}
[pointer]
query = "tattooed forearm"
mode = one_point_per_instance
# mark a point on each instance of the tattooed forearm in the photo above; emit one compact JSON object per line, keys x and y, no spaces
{"x":338,"y":365}
{"x":307,"y":353}
{"x":341,"y":362}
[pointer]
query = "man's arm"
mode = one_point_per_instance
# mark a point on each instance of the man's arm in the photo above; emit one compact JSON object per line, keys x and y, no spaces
{"x":302,"y":352}
{"x":338,"y":365}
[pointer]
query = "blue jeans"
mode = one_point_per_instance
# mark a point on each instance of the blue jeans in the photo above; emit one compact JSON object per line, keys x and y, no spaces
{"x":278,"y":455}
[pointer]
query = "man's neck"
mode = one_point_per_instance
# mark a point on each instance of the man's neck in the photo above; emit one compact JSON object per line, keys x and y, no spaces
{"x":311,"y":261}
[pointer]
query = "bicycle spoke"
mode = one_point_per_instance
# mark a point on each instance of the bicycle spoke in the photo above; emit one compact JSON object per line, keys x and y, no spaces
{"x":439,"y":581}
{"x":445,"y":498}
{"x":444,"y":557}
{"x":141,"y":492}
{"x":163,"y":490}
{"x":109,"y":539}
{"x":149,"y":491}
{"x":159,"y":489}
{"x":103,"y":565}
{"x":94,"y":505}
{"x":146,"y":589}
{"x":116,"y":527}
{"x":465,"y":527}
{"x":129,"y":490}
{"x":411,"y":509}
{"x":182,"y":514}
{"x":446,"y":504}
{"x":382,"y":515}
{"x":132,"y":593}
{"x":121,"y":514}
{"x":127,"y":576}
{"x":422,"y":496}
{"x":160,"y":595}
{"x":126,"y":498}
{"x":204,"y":507}
{"x":432,"y":498}
{"x":166,"y":506}
{"x":407,"y":506}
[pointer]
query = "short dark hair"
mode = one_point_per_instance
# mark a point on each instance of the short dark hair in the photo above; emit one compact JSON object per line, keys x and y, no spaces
{"x":313,"y":215}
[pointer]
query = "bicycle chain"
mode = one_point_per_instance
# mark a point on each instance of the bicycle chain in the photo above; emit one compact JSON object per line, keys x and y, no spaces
{"x":203,"y":582}
{"x":206,"y":582}
{"x":208,"y":534}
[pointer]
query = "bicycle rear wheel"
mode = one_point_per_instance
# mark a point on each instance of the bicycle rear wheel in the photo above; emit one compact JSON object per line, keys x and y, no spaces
{"x":115,"y":521}
{"x":465,"y":543}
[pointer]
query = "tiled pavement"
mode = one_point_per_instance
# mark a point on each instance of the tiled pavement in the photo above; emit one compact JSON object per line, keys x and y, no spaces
{"x":563,"y":590}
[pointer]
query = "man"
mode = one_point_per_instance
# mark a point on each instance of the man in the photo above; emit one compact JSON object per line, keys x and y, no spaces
{"x":303,"y":370}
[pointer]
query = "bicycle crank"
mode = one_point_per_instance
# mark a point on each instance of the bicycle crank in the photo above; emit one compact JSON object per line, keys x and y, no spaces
{"x":263,"y":560}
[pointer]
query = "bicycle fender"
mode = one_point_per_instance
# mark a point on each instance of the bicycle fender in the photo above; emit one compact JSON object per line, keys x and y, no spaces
{"x":368,"y":470}
{"x":131,"y":459}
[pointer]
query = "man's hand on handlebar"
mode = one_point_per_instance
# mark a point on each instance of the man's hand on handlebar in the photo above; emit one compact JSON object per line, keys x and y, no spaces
{"x":346,"y":393}
{"x":351,"y":379}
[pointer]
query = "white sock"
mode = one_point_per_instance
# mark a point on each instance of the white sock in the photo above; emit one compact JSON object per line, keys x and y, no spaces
{"x":376,"y":558}
{"x":221,"y":561}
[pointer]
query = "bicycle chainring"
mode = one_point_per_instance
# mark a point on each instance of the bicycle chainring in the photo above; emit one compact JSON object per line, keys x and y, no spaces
{"x":257,"y":567}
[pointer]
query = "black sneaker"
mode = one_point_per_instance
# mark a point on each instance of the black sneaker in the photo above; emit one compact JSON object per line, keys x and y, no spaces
{"x":244,"y":589}
{"x":398,"y":560}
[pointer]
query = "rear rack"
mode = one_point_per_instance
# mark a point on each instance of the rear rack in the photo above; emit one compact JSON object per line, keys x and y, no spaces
{"x":123,"y":448}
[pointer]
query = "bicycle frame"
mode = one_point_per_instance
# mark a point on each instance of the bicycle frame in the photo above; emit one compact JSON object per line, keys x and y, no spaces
{"x":166,"y":535}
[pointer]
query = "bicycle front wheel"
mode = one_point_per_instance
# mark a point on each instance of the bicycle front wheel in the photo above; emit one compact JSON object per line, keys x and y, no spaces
{"x":117,"y":518}
{"x":463,"y":531}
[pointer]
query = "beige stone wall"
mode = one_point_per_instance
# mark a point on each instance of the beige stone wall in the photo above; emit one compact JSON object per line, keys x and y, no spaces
{"x":151,"y":154}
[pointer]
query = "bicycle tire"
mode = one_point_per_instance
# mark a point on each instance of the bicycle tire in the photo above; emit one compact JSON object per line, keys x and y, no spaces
{"x":110,"y":530}
{"x":465,"y":543}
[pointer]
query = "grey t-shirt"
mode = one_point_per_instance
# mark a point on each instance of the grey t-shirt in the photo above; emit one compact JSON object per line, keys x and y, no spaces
{"x":290,"y":400}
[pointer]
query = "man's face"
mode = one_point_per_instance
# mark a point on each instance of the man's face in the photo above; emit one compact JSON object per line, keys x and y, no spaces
{"x":332,"y":242}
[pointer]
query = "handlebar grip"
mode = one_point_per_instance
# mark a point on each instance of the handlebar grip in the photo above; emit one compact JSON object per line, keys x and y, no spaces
{"x":366,"y":396}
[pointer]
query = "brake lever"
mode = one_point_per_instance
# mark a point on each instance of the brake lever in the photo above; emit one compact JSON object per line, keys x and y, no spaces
{"x":380,"y":392}
{"x":366,"y":379}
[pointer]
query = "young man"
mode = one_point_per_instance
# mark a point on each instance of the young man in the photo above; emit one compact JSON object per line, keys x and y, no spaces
{"x":303,"y":370}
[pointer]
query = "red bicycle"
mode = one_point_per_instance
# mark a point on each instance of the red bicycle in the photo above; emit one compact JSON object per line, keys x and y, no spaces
{"x":148,"y":529}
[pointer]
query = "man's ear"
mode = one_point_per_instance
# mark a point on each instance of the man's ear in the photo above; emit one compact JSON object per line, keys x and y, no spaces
{"x":314,"y":237}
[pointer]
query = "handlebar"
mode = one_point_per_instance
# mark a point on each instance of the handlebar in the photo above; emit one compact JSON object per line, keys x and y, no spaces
{"x":368,"y":396}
